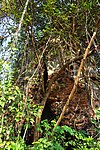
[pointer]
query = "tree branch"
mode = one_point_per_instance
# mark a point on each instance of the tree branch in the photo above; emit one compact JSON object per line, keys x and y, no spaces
{"x":76,"y":79}
{"x":21,"y":20}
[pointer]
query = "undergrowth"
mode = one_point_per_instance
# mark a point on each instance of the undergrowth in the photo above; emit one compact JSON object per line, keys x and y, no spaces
{"x":13,"y":109}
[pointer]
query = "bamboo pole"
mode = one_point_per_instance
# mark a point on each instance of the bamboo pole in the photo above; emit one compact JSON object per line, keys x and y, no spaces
{"x":76,"y":79}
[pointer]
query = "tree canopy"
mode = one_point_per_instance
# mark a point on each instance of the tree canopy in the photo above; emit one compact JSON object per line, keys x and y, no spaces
{"x":44,"y":44}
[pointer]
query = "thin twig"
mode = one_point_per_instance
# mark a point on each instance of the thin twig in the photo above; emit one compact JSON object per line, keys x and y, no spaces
{"x":21,"y":21}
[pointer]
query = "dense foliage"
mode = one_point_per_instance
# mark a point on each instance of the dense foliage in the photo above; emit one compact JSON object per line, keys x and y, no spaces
{"x":38,"y":38}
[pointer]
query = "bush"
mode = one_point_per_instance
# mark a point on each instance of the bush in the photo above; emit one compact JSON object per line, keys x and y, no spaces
{"x":64,"y":137}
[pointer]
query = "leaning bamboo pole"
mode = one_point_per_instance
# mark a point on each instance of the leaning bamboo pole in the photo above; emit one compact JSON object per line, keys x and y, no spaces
{"x":78,"y":76}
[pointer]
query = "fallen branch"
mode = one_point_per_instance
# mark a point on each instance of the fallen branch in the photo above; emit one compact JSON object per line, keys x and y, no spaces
{"x":76,"y":79}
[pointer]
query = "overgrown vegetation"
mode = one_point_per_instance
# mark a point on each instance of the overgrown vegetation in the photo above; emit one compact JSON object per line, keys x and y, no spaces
{"x":42,"y":46}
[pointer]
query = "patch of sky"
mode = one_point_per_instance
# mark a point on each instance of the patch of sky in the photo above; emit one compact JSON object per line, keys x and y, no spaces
{"x":6,"y":26}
